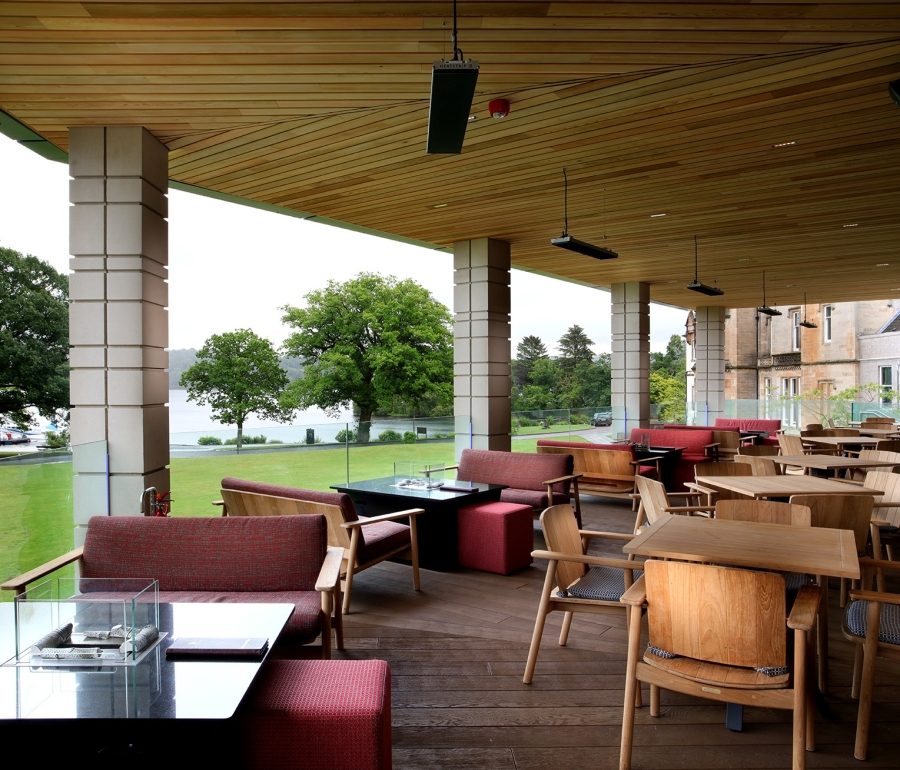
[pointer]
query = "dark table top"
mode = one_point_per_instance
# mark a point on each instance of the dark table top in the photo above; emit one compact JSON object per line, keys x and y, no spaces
{"x":387,"y":486}
{"x":155,"y":688}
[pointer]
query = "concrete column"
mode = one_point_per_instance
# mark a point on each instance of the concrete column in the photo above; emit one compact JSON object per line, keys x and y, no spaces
{"x":630,"y":356}
{"x":481,"y":350}
{"x":710,"y":347}
{"x":118,"y":322}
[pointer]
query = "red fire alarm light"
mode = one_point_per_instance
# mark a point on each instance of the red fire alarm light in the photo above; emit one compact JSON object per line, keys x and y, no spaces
{"x":499,"y":108}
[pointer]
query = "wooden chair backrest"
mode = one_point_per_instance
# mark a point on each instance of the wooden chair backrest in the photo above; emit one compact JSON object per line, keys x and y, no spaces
{"x":609,"y":469}
{"x":889,"y":483}
{"x":807,"y":433}
{"x":881,"y":455}
{"x":758,"y":450}
{"x":254,"y":504}
{"x":873,"y":421}
{"x":734,"y":617}
{"x":722,"y":469}
{"x":653,"y":497}
{"x":729,"y":441}
{"x":790,"y":445}
{"x":888,"y":445}
{"x":764,"y":512}
{"x":840,"y":432}
{"x":814,"y":427}
{"x":853,"y":512}
{"x":760,"y":466}
{"x":561,"y":534}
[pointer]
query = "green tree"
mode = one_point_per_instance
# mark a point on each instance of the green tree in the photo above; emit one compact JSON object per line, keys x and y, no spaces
{"x":368,"y":341}
{"x":673,"y":361}
{"x":238,"y":374}
{"x":529,"y":350}
{"x":574,"y":346}
{"x":34,"y":338}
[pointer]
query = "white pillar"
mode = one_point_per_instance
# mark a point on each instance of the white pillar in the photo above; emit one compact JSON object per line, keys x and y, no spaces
{"x":630,"y":356}
{"x":710,"y":375}
{"x":481,"y":350}
{"x":118,"y":322}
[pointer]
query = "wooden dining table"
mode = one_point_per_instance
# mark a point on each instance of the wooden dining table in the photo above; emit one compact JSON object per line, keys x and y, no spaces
{"x":841,"y":441}
{"x":759,"y":487}
{"x":810,"y":550}
{"x":878,"y":432}
{"x":831,"y":462}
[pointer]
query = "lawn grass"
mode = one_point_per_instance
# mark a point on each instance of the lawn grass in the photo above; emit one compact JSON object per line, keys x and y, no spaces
{"x":36,"y":521}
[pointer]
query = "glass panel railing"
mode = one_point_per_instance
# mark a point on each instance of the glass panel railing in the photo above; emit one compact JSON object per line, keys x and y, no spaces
{"x":796,"y":413}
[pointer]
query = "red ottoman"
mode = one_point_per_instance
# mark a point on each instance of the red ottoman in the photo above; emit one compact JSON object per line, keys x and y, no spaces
{"x":319,"y":715}
{"x":496,"y":537}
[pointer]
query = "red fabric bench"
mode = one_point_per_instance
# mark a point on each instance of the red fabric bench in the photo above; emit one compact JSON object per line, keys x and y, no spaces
{"x":495,"y":537}
{"x":318,"y":715}
{"x":740,"y":424}
{"x":696,"y":443}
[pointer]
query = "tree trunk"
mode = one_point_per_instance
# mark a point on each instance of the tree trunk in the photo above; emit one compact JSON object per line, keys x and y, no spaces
{"x":365,"y":423}
{"x":240,"y":436}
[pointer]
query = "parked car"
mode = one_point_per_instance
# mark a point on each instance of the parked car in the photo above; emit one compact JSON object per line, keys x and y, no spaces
{"x":13,"y":436}
{"x":601,"y":418}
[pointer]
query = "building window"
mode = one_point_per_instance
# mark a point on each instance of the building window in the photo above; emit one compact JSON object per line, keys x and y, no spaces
{"x":886,"y":380}
{"x":790,"y":389}
{"x":795,"y":330}
{"x":826,"y":322}
{"x":826,"y":388}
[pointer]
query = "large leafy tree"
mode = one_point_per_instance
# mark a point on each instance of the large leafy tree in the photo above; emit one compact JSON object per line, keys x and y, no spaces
{"x":528,"y":351}
{"x":238,"y":374}
{"x":368,"y":341}
{"x":574,"y":347}
{"x":34,"y":338}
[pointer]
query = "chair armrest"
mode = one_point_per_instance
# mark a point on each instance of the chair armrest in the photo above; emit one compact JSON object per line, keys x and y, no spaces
{"x":451,"y":468}
{"x":218,"y":502}
{"x":875,"y":596}
{"x":682,"y":494}
{"x":711,"y":446}
{"x":563,"y":478}
{"x":330,"y":574}
{"x":882,"y":504}
{"x":690,"y":509}
{"x":596,"y":561}
{"x":806,"y":607}
{"x":647,"y":460}
{"x":637,"y":594}
{"x":700,"y":489}
{"x":18,"y":584}
{"x":849,"y":481}
{"x":383,"y":517}
{"x":866,"y":561}
{"x":589,"y":533}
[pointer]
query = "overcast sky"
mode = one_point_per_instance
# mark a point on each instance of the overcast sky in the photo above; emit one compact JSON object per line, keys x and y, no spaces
{"x":232,"y":266}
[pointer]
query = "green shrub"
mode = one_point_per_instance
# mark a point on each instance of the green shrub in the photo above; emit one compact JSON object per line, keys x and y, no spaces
{"x":409,"y":437}
{"x":275,"y":441}
{"x":390,"y":435}
{"x":346,"y":436}
{"x":525,"y":422}
{"x":57,"y":440}
{"x":210,"y":441}
{"x":260,"y":439}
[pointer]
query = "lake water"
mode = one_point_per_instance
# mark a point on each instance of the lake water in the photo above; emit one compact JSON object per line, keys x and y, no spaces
{"x":188,"y":422}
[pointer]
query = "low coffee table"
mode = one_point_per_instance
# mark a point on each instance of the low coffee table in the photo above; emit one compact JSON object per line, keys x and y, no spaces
{"x":669,"y":456}
{"x":145,"y":711}
{"x":437,"y":526}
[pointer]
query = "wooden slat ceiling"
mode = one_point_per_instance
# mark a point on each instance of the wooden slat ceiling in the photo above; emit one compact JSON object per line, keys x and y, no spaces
{"x":653,"y":107}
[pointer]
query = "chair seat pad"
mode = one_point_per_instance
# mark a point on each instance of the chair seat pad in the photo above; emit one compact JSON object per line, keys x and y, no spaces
{"x":648,"y":470}
{"x":603,"y":583}
{"x":857,"y":621}
{"x":794,"y":581}
{"x":717,"y":674}
{"x":381,"y":538}
{"x":305,"y":623}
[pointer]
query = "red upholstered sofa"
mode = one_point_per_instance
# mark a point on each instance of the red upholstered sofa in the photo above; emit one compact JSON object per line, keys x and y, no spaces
{"x":746,"y":424}
{"x":198,"y":559}
{"x":536,"y":480}
{"x":698,"y":446}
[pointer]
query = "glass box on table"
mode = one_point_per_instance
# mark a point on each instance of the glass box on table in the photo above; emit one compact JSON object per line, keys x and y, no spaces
{"x":87,"y":622}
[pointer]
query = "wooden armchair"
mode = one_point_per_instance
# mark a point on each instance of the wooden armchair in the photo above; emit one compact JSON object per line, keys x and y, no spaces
{"x":360,"y":553}
{"x":576,"y":582}
{"x":654,"y":503}
{"x":886,"y":517}
{"x":871,"y":622}
{"x":761,"y":466}
{"x":701,"y":644}
{"x":758,"y":450}
{"x":853,"y":512}
{"x":718,"y":469}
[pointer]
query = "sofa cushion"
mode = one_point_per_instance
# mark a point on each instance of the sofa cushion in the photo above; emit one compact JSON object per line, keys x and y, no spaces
{"x":693,"y":441}
{"x":259,"y":553}
{"x":537,"y":500}
{"x":381,"y":538}
{"x":515,"y":469}
{"x":305,"y":623}
{"x":741,"y":424}
{"x":339,"y":499}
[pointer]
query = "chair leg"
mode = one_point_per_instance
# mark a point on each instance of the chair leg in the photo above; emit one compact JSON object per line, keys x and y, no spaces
{"x":822,"y":636}
{"x":800,"y":701}
{"x":543,"y":610}
{"x":351,"y":565}
{"x":810,"y":693}
{"x":414,"y":547}
{"x":845,"y":592}
{"x":564,"y":631}
{"x":857,"y":672}
{"x":654,"y":700}
{"x":870,"y":652}
{"x":327,"y":611}
{"x":338,"y":617}
{"x":631,"y":687}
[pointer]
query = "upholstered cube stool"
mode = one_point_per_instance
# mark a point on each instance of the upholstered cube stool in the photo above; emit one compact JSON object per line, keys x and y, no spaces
{"x":318,"y":715}
{"x":496,"y":537}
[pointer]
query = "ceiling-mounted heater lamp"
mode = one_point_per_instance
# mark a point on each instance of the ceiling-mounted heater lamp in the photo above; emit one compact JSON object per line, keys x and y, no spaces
{"x":765,"y":309}
{"x":566,"y":241}
{"x":702,"y":288}
{"x":452,"y":91}
{"x":804,"y":323}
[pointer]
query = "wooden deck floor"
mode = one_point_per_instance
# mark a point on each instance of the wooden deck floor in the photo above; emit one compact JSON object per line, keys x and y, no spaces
{"x":457,"y":651}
